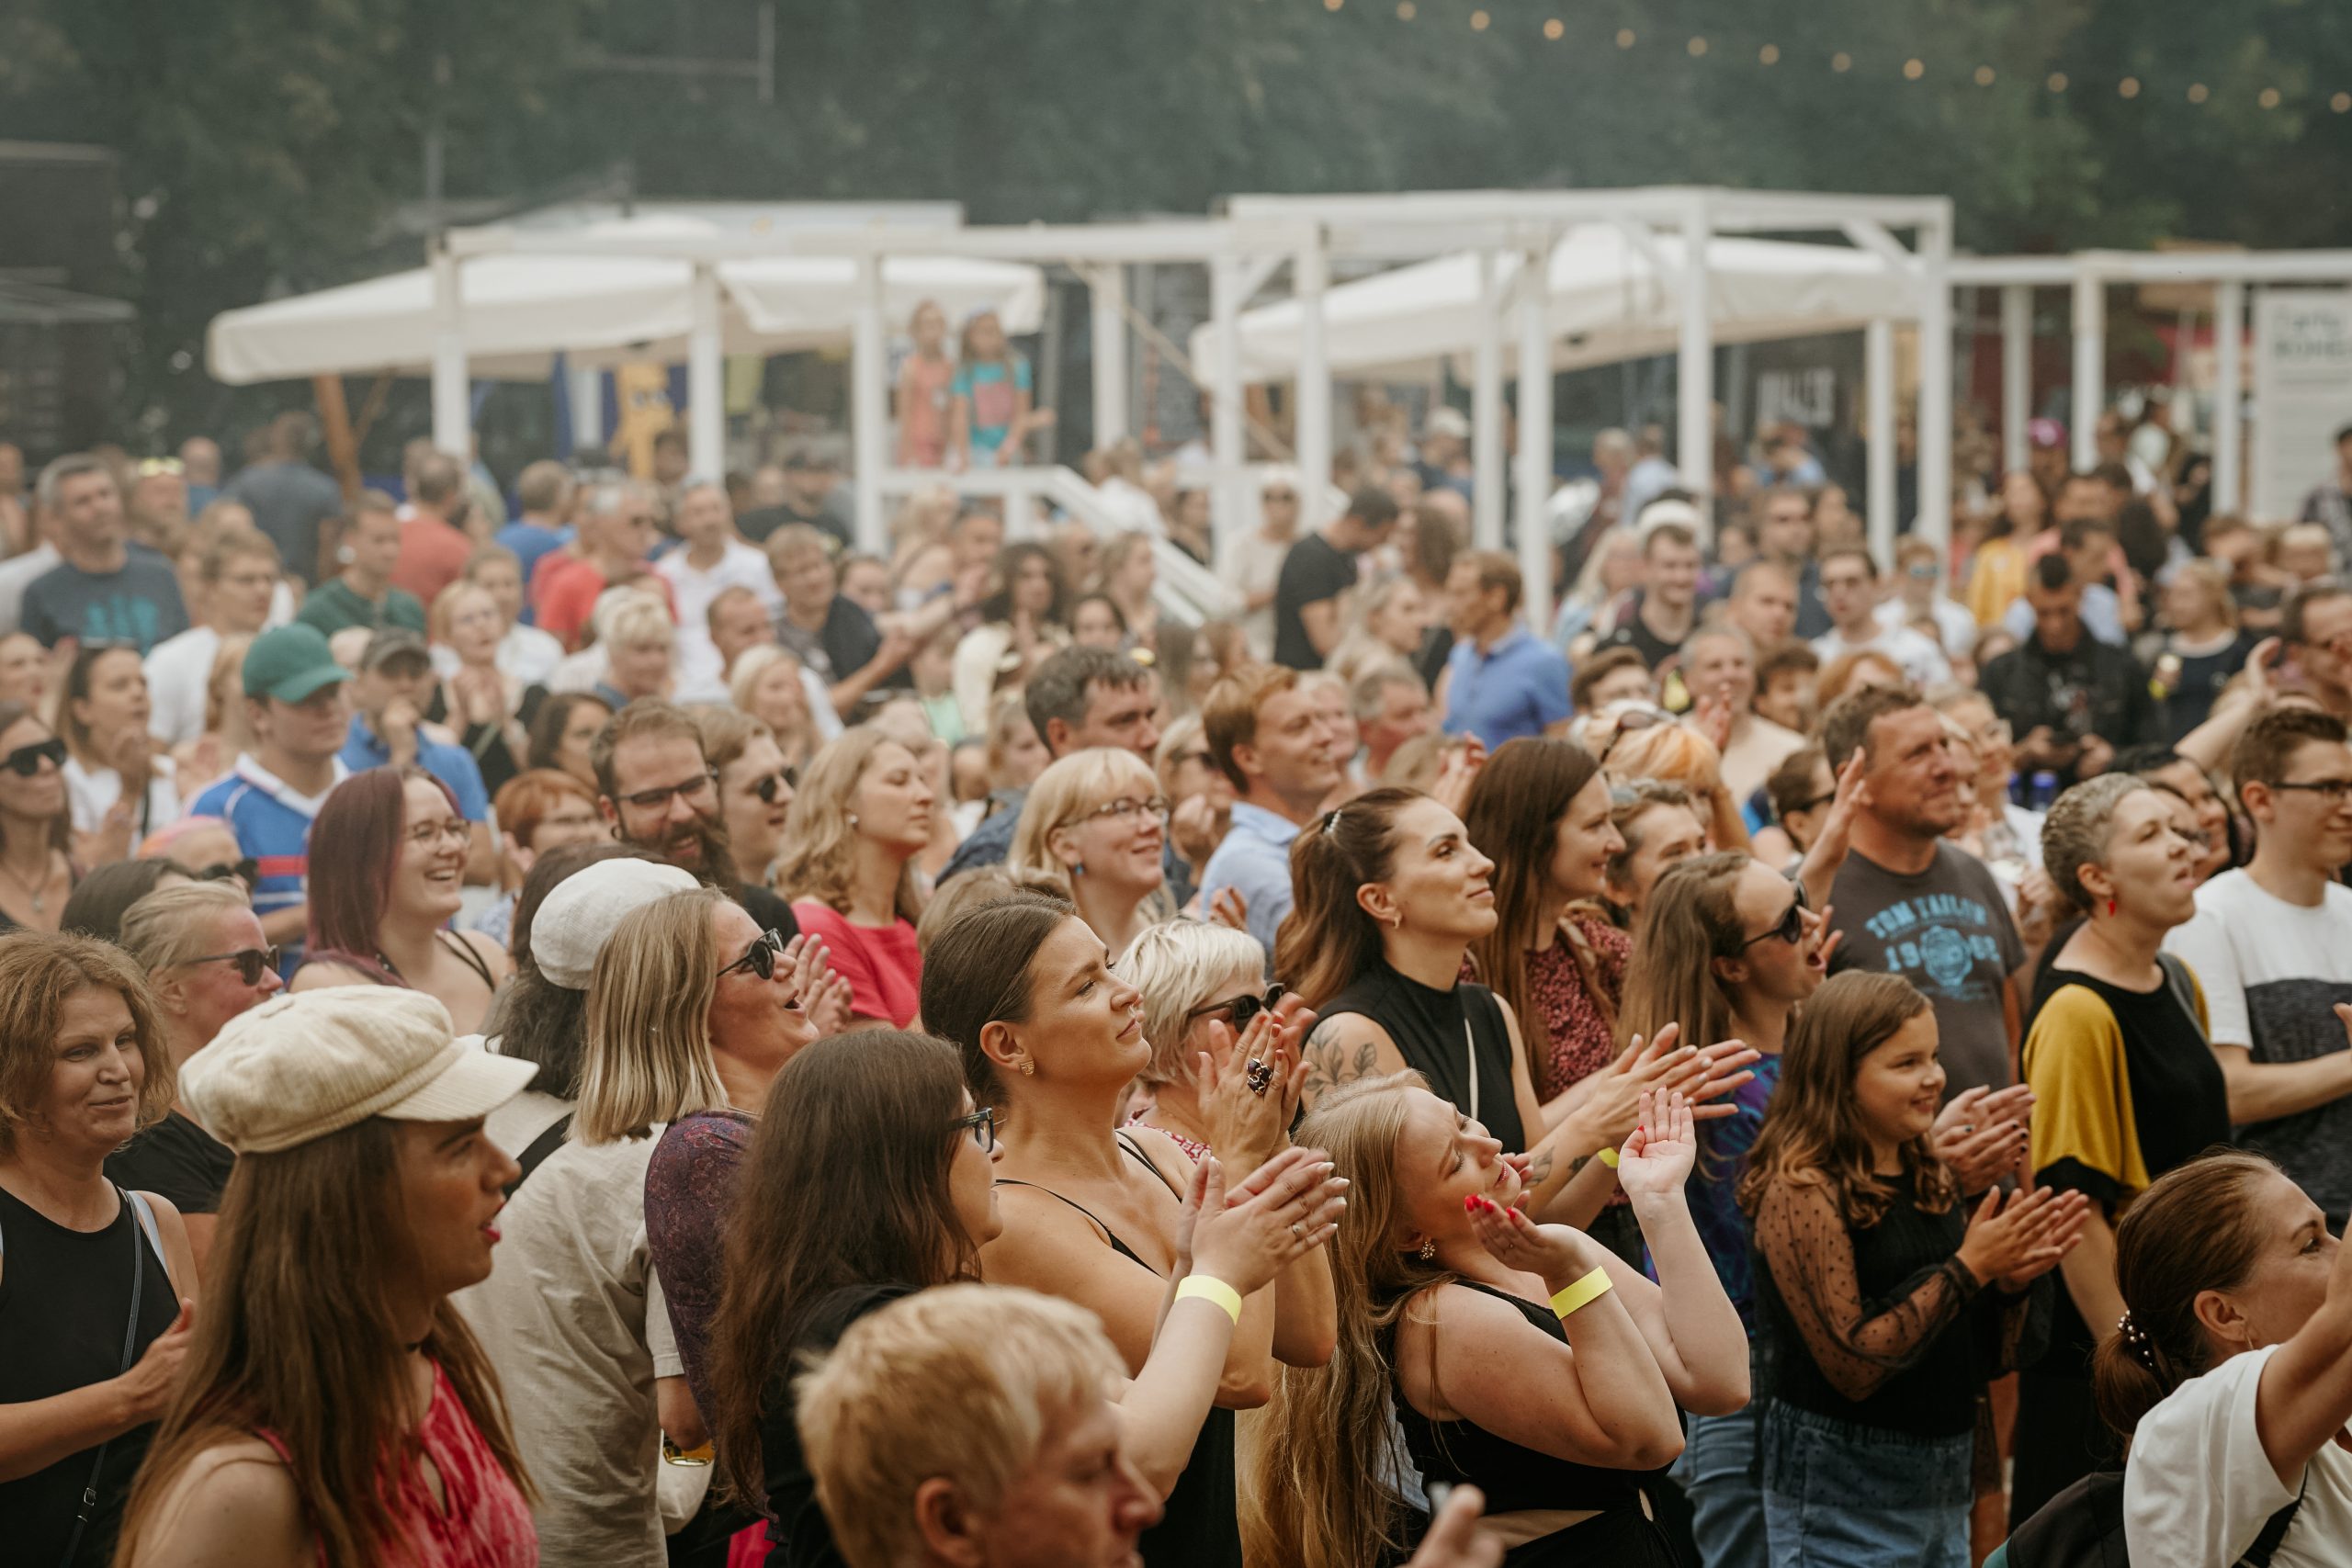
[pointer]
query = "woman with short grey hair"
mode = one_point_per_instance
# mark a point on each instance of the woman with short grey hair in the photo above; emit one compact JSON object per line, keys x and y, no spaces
{"x":1202,"y":984}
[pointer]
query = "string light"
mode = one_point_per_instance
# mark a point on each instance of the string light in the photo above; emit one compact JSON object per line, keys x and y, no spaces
{"x":1985,"y":75}
{"x":1333,"y":4}
{"x":2198,"y":92}
{"x":1841,"y":61}
{"x":1914,"y":69}
{"x":1554,"y":29}
{"x":2341,"y":102}
{"x":2269,"y":98}
{"x":1624,"y":37}
{"x":2057,"y":80}
{"x":2129,"y":87}
{"x":1478,"y":20}
{"x":1405,"y":11}
{"x":1697,"y":46}
{"x":1769,"y":55}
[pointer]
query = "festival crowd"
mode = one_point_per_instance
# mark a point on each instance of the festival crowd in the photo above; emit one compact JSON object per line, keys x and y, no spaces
{"x":606,"y":1026}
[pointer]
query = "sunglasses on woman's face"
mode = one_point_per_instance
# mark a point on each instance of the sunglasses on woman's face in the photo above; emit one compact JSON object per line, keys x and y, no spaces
{"x":1239,"y":1011}
{"x":251,"y":962}
{"x":779,"y":782}
{"x":1791,"y":927}
{"x":25,"y":760}
{"x":247,"y":870}
{"x":760,"y":957}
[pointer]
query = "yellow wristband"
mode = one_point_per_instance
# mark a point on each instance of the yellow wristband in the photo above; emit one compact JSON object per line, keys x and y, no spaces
{"x":1607,"y":1157}
{"x":1208,"y":1288}
{"x":1582,"y":1294}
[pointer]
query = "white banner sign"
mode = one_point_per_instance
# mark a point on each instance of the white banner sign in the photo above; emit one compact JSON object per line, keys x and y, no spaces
{"x":2302,"y":393}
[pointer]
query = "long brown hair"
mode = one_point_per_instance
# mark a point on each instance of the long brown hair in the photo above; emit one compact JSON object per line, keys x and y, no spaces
{"x":2198,"y":1227}
{"x":1317,"y":1495}
{"x":297,"y":1338}
{"x":845,"y":1184}
{"x":1812,"y":1131}
{"x":1328,"y":938}
{"x":1687,"y":923}
{"x":1513,"y":817}
{"x":975,"y":973}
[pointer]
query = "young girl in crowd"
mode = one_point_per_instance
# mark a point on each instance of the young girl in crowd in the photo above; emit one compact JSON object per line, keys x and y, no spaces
{"x":1095,"y":822}
{"x":1561,"y":1413}
{"x":381,"y":904}
{"x":474,"y":697}
{"x":925,"y":383}
{"x":870,"y":1176}
{"x":336,"y":1411}
{"x":1390,"y":896}
{"x":1889,"y":1304}
{"x":989,"y":414}
{"x":2230,"y":1370}
{"x":119,"y":784}
{"x":769,"y":684}
{"x":862,"y":815}
{"x":537,"y":812}
{"x":1023,"y":621}
{"x":2125,"y":1085}
{"x":1658,"y":825}
{"x":1052,"y":1039}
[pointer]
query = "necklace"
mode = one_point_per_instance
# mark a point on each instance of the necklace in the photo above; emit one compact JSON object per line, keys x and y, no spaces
{"x":38,"y":891}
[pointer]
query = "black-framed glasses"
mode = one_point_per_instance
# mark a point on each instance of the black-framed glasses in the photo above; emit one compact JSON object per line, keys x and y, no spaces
{"x":251,"y":962}
{"x":761,"y":956}
{"x":247,"y":870}
{"x":1239,"y":1011}
{"x":694,"y":790}
{"x":982,"y":1125}
{"x":1816,"y":804}
{"x":1790,"y":926}
{"x":25,"y":760}
{"x":782,"y":781}
{"x":2337,"y":791}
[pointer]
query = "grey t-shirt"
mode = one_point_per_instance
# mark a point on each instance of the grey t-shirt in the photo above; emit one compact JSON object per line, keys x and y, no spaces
{"x":139,"y":603}
{"x":1947,"y":932}
{"x":288,"y":501}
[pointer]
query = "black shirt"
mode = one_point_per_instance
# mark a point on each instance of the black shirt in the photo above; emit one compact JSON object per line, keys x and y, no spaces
{"x":844,"y":645}
{"x":175,"y":1160}
{"x":1452,"y":1038}
{"x":795,"y":1523}
{"x":769,"y":908}
{"x":1634,"y":632}
{"x":2192,"y":681}
{"x":2091,"y":689}
{"x":1314,"y":571}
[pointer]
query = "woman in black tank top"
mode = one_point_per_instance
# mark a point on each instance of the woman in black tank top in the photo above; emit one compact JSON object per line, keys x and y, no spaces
{"x":1391,"y":893}
{"x":1526,"y":1359}
{"x":90,"y":1276}
{"x":1051,"y":1038}
{"x":388,"y":860}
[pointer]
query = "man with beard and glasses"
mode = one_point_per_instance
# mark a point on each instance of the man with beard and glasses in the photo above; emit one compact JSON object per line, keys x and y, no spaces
{"x":657,"y":788}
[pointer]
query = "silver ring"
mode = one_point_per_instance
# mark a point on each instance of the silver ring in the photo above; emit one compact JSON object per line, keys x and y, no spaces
{"x":1298,"y":1230}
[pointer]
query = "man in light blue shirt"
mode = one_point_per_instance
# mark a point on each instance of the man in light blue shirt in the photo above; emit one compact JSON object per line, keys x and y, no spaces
{"x":1280,"y":752}
{"x":387,"y":730}
{"x":1501,"y":681}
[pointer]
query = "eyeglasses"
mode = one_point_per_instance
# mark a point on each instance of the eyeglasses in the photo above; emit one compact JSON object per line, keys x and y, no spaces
{"x":983,"y":1125}
{"x":425,"y":835}
{"x":1791,"y":927}
{"x":251,"y":962}
{"x":783,"y":781}
{"x":2337,"y":791}
{"x":760,"y":957}
{"x":1282,"y":495}
{"x":247,"y":870}
{"x":1816,"y":804}
{"x":1639,"y":716}
{"x":693,"y":791}
{"x":25,"y":760}
{"x":1239,"y":1011}
{"x":1154,"y":807}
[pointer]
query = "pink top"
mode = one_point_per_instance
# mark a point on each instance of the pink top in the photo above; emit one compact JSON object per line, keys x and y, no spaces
{"x":882,"y":964}
{"x":923,"y":387}
{"x":484,"y":1523}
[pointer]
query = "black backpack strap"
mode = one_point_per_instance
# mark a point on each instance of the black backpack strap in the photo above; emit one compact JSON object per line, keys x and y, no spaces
{"x":89,"y":1499}
{"x":2266,"y":1545}
{"x":2183,"y":991}
{"x":545,"y":1144}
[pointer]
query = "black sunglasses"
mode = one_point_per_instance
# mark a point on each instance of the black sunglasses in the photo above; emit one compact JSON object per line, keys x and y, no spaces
{"x":982,"y":1124}
{"x":1239,"y":1011}
{"x":776,"y":783}
{"x":760,"y":957}
{"x":1790,"y":928}
{"x":251,"y":962}
{"x":25,"y":760}
{"x":247,"y":870}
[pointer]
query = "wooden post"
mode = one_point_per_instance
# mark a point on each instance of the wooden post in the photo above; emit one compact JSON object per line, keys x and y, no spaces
{"x":335,"y":421}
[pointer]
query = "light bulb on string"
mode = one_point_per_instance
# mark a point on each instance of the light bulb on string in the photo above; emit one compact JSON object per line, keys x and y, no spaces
{"x":1841,"y":62}
{"x":1478,"y":21}
{"x":1554,"y":30}
{"x":1769,"y":55}
{"x":2341,"y":102}
{"x":2198,"y":92}
{"x":1697,"y":46}
{"x":1624,"y":37}
{"x":2129,"y":87}
{"x":2057,"y":83}
{"x":1914,"y":69}
{"x":1985,"y":74}
{"x":2271,"y":98}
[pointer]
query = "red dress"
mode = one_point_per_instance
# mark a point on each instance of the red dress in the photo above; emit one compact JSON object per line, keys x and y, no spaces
{"x":1575,"y":1039}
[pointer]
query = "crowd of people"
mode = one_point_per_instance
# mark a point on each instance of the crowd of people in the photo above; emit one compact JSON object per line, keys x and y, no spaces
{"x":628,"y":1032}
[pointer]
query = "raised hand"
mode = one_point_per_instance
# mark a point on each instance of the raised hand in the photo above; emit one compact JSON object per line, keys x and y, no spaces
{"x":1245,"y":1125}
{"x":1229,"y":908}
{"x":1455,"y":1540}
{"x":1557,"y":1253}
{"x":1663,"y":1148}
{"x":1284,"y":1209}
{"x":1983,"y":1134}
{"x":1463,"y":758}
{"x":2014,"y":1239}
{"x":1712,"y":1072}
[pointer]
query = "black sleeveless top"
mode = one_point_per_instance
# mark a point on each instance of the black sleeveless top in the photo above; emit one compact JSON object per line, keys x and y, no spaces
{"x":1203,"y":1524}
{"x":64,"y":1300}
{"x":1427,"y":1026}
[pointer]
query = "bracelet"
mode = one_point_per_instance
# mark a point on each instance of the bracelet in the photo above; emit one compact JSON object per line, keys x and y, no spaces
{"x":1607,"y":1156}
{"x":1209,"y":1288}
{"x":1582,"y":1294}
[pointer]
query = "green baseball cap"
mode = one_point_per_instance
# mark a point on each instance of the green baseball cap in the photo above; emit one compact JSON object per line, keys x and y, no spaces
{"x":289,"y":664}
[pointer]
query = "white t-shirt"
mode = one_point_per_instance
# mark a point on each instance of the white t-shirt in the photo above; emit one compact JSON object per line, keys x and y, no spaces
{"x":91,"y":793}
{"x":573,"y":1317}
{"x":1922,"y":663}
{"x":17,"y":574}
{"x":178,"y":671}
{"x":2198,"y":1487}
{"x":694,"y":589}
{"x":1251,"y":564}
{"x":1955,"y":627}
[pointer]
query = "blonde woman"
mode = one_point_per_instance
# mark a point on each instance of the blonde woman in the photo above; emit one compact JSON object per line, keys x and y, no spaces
{"x":1202,"y":984}
{"x":1095,"y":822}
{"x":573,"y":1320}
{"x":476,"y":699}
{"x":1394,"y":621}
{"x":862,"y":815}
{"x":771,"y":685}
{"x":1678,"y":753}
{"x":640,"y":651}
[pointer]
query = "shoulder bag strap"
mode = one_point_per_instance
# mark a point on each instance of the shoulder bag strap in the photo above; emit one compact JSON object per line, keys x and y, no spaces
{"x":545,"y":1144}
{"x":2177,"y":982}
{"x":130,"y":1355}
{"x":2274,"y":1530}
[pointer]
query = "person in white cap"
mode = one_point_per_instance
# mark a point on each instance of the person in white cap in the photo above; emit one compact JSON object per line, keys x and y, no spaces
{"x":340,"y":1412}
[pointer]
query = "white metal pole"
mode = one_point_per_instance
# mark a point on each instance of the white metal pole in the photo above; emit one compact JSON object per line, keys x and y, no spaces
{"x":452,"y":395}
{"x":869,"y":407}
{"x":2090,"y":362}
{"x":587,"y":389}
{"x":1233,"y":510}
{"x":2016,"y":373}
{"x":1878,"y":393}
{"x":1106,"y":289}
{"x":706,"y":383}
{"x":1310,"y":273}
{"x":1535,"y":434}
{"x":1694,"y":398}
{"x":1934,"y":442}
{"x":1487,"y":462}
{"x":2229,"y":383}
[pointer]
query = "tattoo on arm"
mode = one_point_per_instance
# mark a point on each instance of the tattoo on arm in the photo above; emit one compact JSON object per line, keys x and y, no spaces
{"x":1331,"y":1063}
{"x":1539,"y":1167}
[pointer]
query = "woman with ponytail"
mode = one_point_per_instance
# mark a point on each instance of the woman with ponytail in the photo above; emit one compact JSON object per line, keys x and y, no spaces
{"x":2230,"y":1370}
{"x":1390,"y":894}
{"x":1562,"y":1413}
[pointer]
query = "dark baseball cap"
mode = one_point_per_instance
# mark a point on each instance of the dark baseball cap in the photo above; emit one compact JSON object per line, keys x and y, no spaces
{"x":390,"y":643}
{"x":290,"y":664}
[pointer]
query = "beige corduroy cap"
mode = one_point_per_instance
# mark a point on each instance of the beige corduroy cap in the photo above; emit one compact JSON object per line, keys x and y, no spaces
{"x":303,"y":1064}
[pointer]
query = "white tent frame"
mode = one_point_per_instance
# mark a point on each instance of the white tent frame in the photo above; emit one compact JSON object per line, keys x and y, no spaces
{"x":2086,"y":276}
